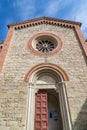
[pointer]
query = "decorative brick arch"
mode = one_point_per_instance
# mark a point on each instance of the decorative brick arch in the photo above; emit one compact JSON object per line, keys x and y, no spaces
{"x":49,"y":65}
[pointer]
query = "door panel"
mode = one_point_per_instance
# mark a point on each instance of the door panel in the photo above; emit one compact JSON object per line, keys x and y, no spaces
{"x":47,"y":111}
{"x":41,"y":111}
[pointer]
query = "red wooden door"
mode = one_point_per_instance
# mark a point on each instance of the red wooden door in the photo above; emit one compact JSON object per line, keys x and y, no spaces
{"x":41,"y":111}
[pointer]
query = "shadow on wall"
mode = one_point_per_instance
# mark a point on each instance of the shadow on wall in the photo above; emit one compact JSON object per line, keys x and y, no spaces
{"x":81,"y":121}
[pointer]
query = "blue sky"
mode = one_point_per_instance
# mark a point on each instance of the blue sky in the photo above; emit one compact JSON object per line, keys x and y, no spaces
{"x":12,"y":11}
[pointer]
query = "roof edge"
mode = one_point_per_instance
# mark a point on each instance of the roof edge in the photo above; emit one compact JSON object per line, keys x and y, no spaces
{"x":45,"y":18}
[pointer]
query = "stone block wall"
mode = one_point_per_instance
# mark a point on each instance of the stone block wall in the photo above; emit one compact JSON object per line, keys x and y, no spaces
{"x":20,"y":59}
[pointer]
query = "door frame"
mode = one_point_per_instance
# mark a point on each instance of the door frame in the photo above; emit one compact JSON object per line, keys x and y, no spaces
{"x":60,"y":88}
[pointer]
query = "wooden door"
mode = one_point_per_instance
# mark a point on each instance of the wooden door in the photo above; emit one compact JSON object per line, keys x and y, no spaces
{"x":41,"y":111}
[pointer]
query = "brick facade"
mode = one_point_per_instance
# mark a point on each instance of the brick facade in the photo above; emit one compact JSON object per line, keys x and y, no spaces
{"x":18,"y":60}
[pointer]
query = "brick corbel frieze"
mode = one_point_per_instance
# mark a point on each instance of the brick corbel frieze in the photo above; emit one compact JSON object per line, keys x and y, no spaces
{"x":44,"y":20}
{"x":30,"y":24}
{"x":81,"y":39}
{"x":5,"y":48}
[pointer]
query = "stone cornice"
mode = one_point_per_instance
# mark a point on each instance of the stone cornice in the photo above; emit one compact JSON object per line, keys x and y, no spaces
{"x":44,"y":20}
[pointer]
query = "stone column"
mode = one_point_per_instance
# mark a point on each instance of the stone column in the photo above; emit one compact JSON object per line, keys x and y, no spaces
{"x":67,"y":107}
{"x":31,"y":107}
{"x":64,"y":106}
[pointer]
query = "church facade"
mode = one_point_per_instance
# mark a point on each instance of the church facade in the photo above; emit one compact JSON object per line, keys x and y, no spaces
{"x":43,"y":76}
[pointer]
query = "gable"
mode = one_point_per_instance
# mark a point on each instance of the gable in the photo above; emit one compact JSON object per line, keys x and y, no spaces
{"x":44,"y":20}
{"x":34,"y":23}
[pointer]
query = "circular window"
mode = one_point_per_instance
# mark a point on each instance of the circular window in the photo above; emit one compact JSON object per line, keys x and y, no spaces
{"x":45,"y":44}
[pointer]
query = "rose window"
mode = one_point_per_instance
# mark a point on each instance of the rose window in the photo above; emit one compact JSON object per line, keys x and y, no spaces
{"x":45,"y":46}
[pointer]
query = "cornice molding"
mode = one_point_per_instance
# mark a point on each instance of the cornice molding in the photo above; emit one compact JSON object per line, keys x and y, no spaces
{"x":44,"y":20}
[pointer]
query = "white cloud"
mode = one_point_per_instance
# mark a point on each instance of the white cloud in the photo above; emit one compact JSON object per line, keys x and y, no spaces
{"x":26,"y":12}
{"x":79,"y":14}
{"x":51,"y":8}
{"x":25,"y":9}
{"x":19,"y":2}
{"x":54,"y":6}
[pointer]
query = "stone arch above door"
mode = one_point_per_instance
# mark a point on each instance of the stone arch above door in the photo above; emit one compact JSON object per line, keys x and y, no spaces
{"x":44,"y":66}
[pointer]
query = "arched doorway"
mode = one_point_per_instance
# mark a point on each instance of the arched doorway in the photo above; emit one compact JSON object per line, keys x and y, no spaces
{"x":47,"y":83}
